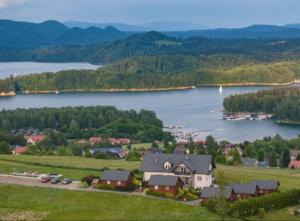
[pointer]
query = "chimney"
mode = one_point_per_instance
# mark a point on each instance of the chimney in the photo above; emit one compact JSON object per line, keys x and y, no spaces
{"x":156,"y":160}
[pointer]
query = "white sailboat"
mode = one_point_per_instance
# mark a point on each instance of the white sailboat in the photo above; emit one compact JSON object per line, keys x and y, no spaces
{"x":221,"y":89}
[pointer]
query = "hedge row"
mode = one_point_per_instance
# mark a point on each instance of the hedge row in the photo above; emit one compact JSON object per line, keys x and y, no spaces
{"x":117,"y":188}
{"x":158,"y":194}
{"x":274,"y":201}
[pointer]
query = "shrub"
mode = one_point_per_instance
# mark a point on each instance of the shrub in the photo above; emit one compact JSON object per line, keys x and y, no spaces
{"x":84,"y":185}
{"x":191,"y":196}
{"x":135,"y":182}
{"x":250,"y":207}
{"x":89,"y":179}
{"x":261,"y":213}
{"x":211,"y":204}
{"x":180,"y":194}
{"x":152,"y":193}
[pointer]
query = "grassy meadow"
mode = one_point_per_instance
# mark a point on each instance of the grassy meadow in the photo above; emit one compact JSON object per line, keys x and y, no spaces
{"x":56,"y":204}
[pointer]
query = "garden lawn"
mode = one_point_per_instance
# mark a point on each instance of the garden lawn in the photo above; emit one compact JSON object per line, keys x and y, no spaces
{"x":80,"y":205}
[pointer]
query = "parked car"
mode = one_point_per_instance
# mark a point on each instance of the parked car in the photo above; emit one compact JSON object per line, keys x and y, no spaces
{"x":45,"y":179}
{"x":55,"y":180}
{"x":66,"y":181}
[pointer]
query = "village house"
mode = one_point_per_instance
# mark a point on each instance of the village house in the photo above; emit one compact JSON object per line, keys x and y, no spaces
{"x":239,"y":191}
{"x":95,"y":140}
{"x":35,"y":139}
{"x":244,"y":190}
{"x":116,"y":178}
{"x":294,"y":164}
{"x":195,"y":171}
{"x":266,"y":186}
{"x":119,"y":141}
{"x":214,"y":192}
{"x":19,"y":150}
{"x":165,"y":184}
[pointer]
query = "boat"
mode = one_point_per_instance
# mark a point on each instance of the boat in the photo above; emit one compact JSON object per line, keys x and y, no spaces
{"x":221,"y":89}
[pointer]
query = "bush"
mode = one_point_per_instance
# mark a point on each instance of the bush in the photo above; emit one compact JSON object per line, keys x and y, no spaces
{"x":211,"y":204}
{"x":135,"y":182}
{"x":84,"y":185}
{"x":261,"y":213}
{"x":180,"y":194}
{"x":250,"y":207}
{"x":157,"y":194}
{"x":89,"y":179}
{"x":191,"y":196}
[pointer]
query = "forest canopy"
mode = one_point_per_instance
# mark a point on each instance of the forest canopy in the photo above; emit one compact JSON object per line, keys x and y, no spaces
{"x":84,"y":122}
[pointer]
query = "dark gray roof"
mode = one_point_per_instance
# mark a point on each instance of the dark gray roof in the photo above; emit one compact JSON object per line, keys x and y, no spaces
{"x":197,"y":163}
{"x":117,"y":175}
{"x":244,"y":188}
{"x":162,"y":180}
{"x":209,"y":192}
{"x":267,"y":184}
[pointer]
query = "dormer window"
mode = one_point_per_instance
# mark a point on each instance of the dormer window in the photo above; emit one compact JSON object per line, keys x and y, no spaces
{"x":167,"y":165}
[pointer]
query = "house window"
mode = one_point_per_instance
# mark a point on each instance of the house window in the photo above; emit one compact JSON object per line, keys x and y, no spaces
{"x":156,"y":187}
{"x":167,"y":188}
{"x":108,"y":182}
{"x":199,"y":178}
{"x":119,"y":183}
{"x":238,"y":196}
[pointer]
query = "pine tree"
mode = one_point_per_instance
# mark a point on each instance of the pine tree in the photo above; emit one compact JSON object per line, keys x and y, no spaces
{"x":273,"y":158}
{"x":285,"y":158}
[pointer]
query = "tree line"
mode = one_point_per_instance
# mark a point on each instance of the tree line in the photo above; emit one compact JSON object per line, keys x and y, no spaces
{"x":158,"y":72}
{"x":284,"y":102}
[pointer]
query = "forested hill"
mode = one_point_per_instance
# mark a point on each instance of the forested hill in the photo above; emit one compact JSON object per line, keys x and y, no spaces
{"x":84,"y":122}
{"x":159,"y":72}
{"x":156,"y":44}
{"x":52,"y":33}
{"x":284,"y":102}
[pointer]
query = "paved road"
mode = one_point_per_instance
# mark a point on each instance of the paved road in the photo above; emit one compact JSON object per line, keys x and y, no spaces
{"x":35,"y":182}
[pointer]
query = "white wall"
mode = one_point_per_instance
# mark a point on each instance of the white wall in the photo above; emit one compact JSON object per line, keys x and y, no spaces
{"x":206,"y":181}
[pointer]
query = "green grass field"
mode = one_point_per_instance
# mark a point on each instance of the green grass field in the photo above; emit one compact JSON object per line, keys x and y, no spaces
{"x":57,"y":204}
{"x":77,"y":167}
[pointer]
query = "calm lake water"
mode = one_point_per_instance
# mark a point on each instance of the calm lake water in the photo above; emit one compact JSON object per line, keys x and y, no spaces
{"x":23,"y":68}
{"x":197,"y":109}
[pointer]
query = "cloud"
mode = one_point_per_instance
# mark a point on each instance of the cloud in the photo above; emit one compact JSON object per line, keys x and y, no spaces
{"x":6,"y":3}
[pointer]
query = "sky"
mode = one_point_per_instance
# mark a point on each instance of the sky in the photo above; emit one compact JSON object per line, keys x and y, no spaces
{"x":207,"y":13}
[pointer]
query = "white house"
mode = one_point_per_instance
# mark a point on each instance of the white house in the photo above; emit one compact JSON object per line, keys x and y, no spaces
{"x":194,"y":170}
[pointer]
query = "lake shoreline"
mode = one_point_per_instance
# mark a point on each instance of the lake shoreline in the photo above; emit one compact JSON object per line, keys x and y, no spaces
{"x":116,"y":90}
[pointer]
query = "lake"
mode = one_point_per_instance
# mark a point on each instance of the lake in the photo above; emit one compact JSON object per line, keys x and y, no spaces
{"x":196,"y":109}
{"x":24,"y":68}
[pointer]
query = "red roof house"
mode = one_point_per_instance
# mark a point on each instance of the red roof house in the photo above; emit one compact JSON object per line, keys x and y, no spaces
{"x":294,"y":164}
{"x":95,"y":140}
{"x":19,"y":150}
{"x":34,"y":139}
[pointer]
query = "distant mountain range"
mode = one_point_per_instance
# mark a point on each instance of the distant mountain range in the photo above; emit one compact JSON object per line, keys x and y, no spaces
{"x":152,"y":26}
{"x":27,"y":35}
{"x":15,"y":34}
